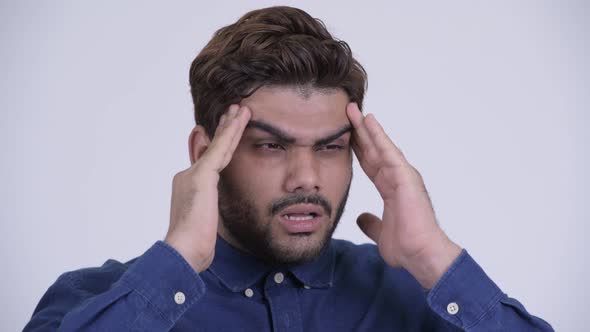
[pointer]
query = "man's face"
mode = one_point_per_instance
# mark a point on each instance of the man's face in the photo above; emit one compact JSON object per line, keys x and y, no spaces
{"x":283,"y":192}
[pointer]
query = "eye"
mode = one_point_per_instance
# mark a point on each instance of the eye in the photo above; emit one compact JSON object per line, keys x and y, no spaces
{"x":330,"y":147}
{"x":270,"y":146}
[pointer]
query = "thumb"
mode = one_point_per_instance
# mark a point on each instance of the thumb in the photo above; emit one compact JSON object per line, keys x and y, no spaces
{"x":370,"y":225}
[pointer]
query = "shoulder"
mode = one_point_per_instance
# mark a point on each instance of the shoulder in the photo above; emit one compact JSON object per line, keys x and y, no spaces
{"x":345,"y":245}
{"x":392,"y":294}
{"x":347,"y":253}
{"x":363,"y":263}
{"x":72,"y":289}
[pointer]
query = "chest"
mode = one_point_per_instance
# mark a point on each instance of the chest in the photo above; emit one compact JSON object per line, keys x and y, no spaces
{"x":280,"y":303}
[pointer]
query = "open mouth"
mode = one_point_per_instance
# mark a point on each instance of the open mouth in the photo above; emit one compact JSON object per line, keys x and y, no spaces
{"x":300,"y":216}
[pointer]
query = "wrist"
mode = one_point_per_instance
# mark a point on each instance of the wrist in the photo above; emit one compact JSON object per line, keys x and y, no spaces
{"x":199,"y":263}
{"x":433,"y":262}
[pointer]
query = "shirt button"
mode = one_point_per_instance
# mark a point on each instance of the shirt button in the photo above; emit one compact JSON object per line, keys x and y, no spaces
{"x":179,"y":298}
{"x":249,"y":292}
{"x":453,"y":308}
{"x":279,"y":277}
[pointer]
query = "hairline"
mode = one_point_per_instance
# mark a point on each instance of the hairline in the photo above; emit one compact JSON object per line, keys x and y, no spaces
{"x":304,"y":90}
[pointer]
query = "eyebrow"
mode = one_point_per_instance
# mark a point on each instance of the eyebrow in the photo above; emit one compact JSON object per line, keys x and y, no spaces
{"x":284,"y":137}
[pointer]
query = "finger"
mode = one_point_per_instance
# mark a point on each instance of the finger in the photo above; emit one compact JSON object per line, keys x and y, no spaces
{"x":224,"y":122}
{"x":235,"y":127}
{"x":370,"y":225}
{"x":222,"y":141}
{"x":360,"y":132}
{"x":357,"y":150}
{"x":382,"y":142}
{"x":223,"y":119}
{"x":242,"y":118}
{"x":365,"y":159}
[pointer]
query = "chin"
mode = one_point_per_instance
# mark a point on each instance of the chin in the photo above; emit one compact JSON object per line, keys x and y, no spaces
{"x":298,"y":248}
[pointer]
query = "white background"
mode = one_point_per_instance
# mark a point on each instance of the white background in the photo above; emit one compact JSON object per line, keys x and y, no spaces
{"x":489,"y":100}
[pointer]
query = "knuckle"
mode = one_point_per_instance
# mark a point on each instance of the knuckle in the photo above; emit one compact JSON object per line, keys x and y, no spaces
{"x":418,"y":174}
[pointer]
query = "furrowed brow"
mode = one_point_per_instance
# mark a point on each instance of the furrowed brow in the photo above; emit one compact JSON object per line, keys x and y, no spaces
{"x":334,"y":136}
{"x":281,"y":135}
{"x":278,"y":133}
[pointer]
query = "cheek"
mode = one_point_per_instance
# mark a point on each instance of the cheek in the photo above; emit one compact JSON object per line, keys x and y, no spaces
{"x":336,"y":177}
{"x":256,"y":178}
{"x":337,"y":166}
{"x":256,"y":170}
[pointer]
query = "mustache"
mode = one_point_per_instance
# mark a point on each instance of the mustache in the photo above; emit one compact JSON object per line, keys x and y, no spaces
{"x":284,"y":202}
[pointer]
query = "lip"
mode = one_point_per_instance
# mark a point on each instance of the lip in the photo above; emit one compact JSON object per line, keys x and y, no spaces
{"x":302,"y":226}
{"x":302,"y":208}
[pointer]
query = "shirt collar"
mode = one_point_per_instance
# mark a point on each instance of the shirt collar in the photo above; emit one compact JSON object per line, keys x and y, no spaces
{"x":238,"y":270}
{"x":235,"y":269}
{"x":318,"y":273}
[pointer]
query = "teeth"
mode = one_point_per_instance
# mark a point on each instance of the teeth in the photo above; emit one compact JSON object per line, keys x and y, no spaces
{"x":308,"y":217}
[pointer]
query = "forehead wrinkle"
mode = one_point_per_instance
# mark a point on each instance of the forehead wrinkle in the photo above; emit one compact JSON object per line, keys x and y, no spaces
{"x":345,"y":129}
{"x":285,"y":137}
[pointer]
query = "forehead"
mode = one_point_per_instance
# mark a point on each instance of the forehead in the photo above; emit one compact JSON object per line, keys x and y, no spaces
{"x":300,"y":111}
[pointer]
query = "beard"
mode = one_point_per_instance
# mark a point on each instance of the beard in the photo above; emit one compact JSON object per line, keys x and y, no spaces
{"x":253,"y":230}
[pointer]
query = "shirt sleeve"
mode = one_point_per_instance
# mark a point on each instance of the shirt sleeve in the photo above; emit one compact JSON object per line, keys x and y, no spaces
{"x":467,"y":298}
{"x":152,"y":294}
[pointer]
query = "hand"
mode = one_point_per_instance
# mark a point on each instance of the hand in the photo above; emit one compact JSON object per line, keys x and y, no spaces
{"x":408,"y":235}
{"x":194,"y":212}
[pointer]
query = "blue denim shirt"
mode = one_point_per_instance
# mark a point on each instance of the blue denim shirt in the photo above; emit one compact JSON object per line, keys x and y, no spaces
{"x":347,"y":288}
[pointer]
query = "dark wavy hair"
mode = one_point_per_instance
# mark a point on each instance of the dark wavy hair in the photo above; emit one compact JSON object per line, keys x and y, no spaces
{"x":270,"y":46}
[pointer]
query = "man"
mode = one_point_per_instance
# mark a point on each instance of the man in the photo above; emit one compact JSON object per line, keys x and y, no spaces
{"x":249,"y":246}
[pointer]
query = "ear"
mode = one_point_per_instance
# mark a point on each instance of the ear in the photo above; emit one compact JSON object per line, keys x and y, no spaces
{"x":198,"y":142}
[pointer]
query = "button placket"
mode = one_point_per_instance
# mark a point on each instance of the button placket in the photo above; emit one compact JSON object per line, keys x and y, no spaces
{"x":282,"y":295}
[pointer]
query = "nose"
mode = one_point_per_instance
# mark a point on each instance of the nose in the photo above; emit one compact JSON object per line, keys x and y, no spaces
{"x":302,"y":172}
